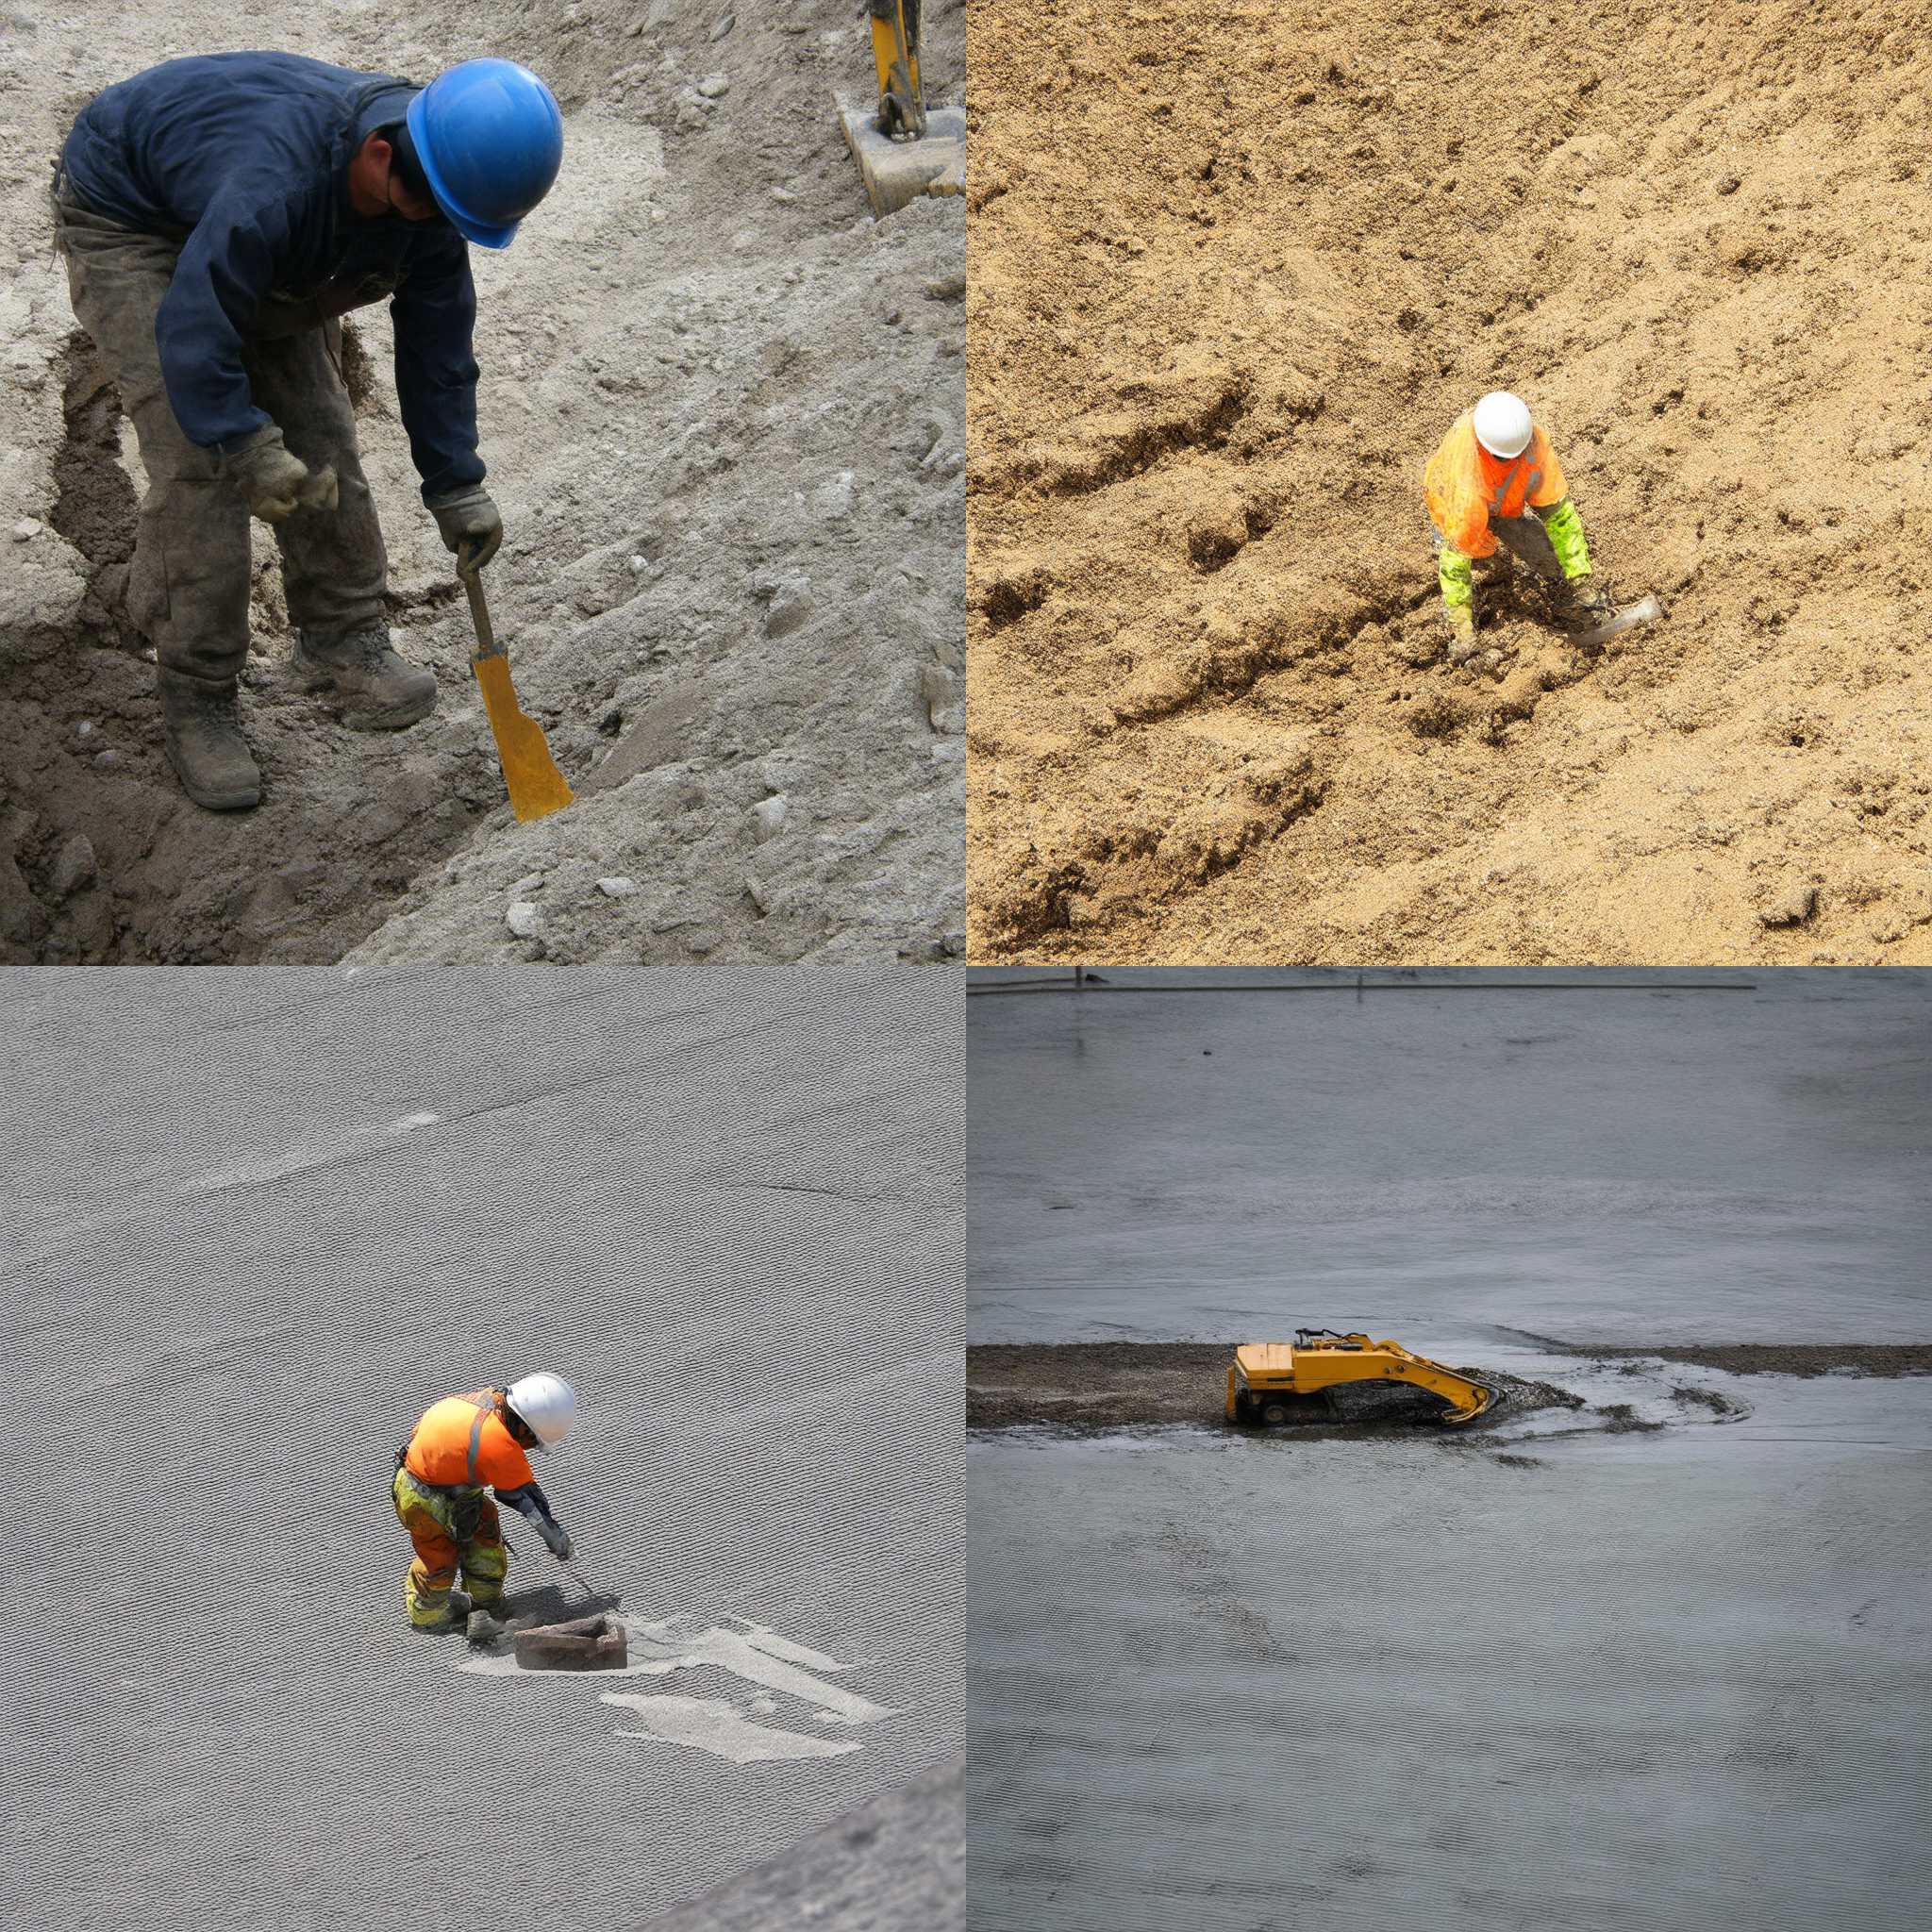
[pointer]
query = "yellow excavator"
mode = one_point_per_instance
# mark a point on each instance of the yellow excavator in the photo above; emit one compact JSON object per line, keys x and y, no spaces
{"x":1273,"y":1382}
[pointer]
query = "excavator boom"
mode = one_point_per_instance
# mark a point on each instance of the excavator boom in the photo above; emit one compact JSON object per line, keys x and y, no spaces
{"x":1270,"y":1376}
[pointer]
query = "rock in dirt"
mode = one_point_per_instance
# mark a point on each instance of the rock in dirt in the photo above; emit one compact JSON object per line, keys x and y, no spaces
{"x":524,"y":919}
{"x":75,"y":866}
{"x":1788,"y":905}
{"x":616,"y":888}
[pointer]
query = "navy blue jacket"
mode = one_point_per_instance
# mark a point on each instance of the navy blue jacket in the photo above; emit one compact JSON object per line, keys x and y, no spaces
{"x":244,"y":159}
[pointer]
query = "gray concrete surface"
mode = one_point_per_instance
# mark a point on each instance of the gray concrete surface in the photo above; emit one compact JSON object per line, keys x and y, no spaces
{"x":255,"y":1221}
{"x":1660,"y":1681}
{"x":897,"y":1864}
{"x":1557,"y":1677}
{"x":1601,"y":1166}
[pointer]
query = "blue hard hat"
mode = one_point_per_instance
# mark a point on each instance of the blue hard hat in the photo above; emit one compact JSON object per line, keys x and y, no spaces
{"x":490,"y":138}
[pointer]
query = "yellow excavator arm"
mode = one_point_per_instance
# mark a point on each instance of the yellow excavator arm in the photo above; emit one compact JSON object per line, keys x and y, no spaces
{"x":895,"y":52}
{"x":1269,"y":1381}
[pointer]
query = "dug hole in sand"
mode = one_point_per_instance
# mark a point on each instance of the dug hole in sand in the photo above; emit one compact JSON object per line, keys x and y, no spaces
{"x":1234,"y":275}
{"x":722,"y":411}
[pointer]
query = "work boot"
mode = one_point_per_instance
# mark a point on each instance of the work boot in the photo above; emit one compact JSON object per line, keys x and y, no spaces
{"x":485,"y":1629}
{"x":385,"y":692}
{"x":201,"y":731}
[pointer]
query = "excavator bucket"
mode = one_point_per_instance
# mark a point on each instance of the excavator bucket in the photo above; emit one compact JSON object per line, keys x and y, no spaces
{"x":902,"y":147}
{"x":1269,"y":1381}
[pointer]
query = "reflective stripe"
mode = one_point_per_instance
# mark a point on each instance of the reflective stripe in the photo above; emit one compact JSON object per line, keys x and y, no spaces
{"x":484,"y":1411}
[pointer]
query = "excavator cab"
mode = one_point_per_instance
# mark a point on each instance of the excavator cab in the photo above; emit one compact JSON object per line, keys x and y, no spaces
{"x":1276,"y":1382}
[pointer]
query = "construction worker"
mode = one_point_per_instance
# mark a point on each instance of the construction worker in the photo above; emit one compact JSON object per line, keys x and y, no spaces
{"x":1496,"y":479}
{"x":464,"y":1447}
{"x":218,"y":215}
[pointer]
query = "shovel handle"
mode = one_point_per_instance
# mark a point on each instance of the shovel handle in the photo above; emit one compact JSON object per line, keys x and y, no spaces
{"x":472,"y":577}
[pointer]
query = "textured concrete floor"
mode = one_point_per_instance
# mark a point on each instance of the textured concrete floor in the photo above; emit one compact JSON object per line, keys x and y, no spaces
{"x":255,"y":1221}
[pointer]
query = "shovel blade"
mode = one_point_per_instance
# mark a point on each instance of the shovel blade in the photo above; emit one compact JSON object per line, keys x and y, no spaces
{"x":536,"y":787}
{"x":1642,"y":612}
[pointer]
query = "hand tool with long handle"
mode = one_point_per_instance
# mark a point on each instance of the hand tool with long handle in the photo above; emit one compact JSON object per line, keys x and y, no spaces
{"x":536,"y":787}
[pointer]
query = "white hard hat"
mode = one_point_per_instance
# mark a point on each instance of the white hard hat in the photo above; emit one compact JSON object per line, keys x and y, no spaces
{"x":546,"y":1405}
{"x":1502,"y":423}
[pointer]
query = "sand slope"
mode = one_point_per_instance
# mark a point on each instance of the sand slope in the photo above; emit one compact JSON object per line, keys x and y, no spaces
{"x":1235,"y":271}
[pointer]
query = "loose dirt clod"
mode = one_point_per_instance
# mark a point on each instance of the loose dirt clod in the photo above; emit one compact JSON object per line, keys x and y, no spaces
{"x":707,"y":369}
{"x":1223,"y":307}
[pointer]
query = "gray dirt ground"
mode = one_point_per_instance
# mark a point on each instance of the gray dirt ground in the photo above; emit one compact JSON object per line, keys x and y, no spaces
{"x":724,"y":411}
{"x":1654,"y":1663}
{"x":256,"y":1222}
{"x":896,"y":1865}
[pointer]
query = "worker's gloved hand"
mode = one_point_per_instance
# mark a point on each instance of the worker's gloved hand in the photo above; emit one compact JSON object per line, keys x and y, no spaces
{"x":1590,"y":600}
{"x":275,"y":483}
{"x":1461,"y":621}
{"x":471,"y":524}
{"x":553,"y":1534}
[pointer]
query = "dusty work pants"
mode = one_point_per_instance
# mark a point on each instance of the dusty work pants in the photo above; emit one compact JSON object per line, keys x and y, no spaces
{"x":449,"y":1533}
{"x":188,"y":585}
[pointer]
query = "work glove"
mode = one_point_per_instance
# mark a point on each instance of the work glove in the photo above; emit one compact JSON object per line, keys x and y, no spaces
{"x":560,"y":1546}
{"x":471,"y":524}
{"x":275,"y":483}
{"x":1591,"y":601}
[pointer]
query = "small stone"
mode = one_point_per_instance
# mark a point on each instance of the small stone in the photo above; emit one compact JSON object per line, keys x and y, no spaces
{"x":1791,"y":906}
{"x":27,"y":529}
{"x":638,"y":565}
{"x":771,"y":814}
{"x":714,"y":87}
{"x":838,"y":496}
{"x":723,"y":26}
{"x":759,"y":894}
{"x":524,"y":920}
{"x":617,"y":889}
{"x":75,"y":866}
{"x":1727,"y":184}
{"x":107,"y":761}
{"x":85,"y":728}
{"x":790,"y":606}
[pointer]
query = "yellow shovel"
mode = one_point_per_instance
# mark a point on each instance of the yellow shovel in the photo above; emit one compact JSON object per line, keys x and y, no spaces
{"x":537,"y":787}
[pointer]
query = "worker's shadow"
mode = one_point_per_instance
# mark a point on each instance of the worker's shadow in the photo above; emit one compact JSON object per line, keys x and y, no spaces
{"x":1522,"y":577}
{"x":549,"y":1604}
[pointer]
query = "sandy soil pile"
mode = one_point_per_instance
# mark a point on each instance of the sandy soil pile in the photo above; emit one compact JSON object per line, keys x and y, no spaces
{"x":1235,"y":271}
{"x":724,"y":415}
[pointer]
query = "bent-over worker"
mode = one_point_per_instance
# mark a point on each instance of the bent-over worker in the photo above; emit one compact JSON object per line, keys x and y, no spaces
{"x":1496,"y":479}
{"x":218,"y":216}
{"x":464,"y":1447}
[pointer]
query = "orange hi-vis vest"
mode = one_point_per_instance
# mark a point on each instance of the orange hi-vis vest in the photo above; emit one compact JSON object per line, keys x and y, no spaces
{"x":461,"y":1444}
{"x":1467,"y":486}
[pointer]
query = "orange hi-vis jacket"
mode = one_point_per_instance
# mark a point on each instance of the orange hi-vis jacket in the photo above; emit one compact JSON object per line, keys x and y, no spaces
{"x":461,"y":1444}
{"x":1467,"y":486}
